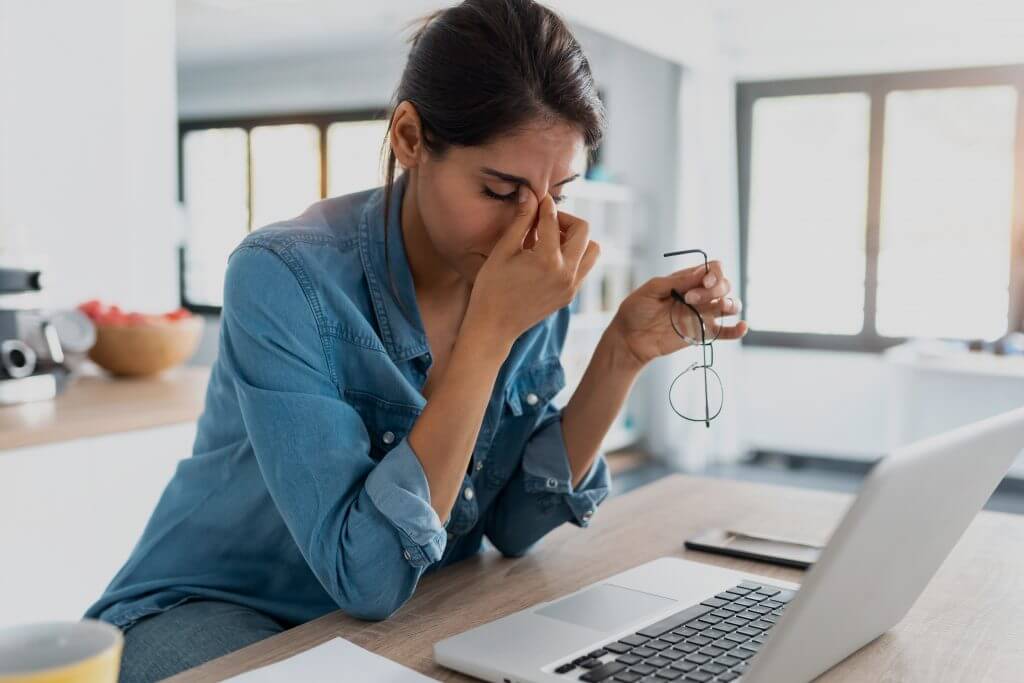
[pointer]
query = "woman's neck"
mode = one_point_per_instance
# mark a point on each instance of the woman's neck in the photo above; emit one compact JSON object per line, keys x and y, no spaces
{"x":431,"y":276}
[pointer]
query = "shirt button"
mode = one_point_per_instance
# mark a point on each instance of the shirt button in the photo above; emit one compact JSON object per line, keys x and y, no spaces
{"x":532,"y":399}
{"x":552,"y":482}
{"x":479,"y":466}
{"x":407,"y":555}
{"x":467,"y":494}
{"x":388,"y":437}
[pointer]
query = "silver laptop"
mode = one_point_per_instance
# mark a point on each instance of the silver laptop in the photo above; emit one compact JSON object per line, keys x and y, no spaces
{"x":671,"y":619}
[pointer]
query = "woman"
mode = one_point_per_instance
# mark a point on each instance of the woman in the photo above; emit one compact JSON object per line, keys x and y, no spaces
{"x":381,"y":399}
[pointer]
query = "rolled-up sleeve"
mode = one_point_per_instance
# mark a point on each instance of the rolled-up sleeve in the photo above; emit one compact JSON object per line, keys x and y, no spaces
{"x":540,"y":495}
{"x":366,"y":529}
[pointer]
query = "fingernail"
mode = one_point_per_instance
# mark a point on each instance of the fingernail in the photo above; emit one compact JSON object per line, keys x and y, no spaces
{"x":692,"y":298}
{"x":710,"y":281}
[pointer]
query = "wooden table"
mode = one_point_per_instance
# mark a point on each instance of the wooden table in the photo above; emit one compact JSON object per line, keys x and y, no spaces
{"x":95,"y":404}
{"x":967,"y":626}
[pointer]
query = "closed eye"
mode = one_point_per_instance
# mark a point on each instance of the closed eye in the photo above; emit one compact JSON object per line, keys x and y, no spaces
{"x":511,"y":196}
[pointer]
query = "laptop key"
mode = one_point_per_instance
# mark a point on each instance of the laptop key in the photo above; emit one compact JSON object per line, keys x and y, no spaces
{"x":657,"y":645}
{"x":565,"y":668}
{"x":684,"y":665}
{"x":674,"y":621}
{"x":671,"y":638}
{"x":751,"y":585}
{"x":657,"y":662}
{"x":698,"y":677}
{"x":634,"y":640}
{"x":618,"y":648}
{"x":629,"y":660}
{"x":602,"y":672}
{"x":669,"y":674}
{"x":642,"y":651}
{"x":714,"y":602}
{"x":713,"y":668}
{"x":728,"y":676}
{"x":642,"y":669}
{"x":784,"y":596}
{"x":727,"y":661}
{"x":627,"y":677}
{"x":671,"y":654}
{"x":589,"y":663}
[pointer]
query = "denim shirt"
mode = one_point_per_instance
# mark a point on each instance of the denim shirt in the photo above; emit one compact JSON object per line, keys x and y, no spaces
{"x":303,"y":494}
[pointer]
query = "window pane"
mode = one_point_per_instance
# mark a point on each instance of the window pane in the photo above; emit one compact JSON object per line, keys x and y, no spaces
{"x":285,"y":171}
{"x":216,"y":202}
{"x":947,"y":193}
{"x":353,"y":156}
{"x":807,"y":218}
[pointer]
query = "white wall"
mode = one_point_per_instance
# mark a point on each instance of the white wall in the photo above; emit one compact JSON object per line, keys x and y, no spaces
{"x":88,"y":147}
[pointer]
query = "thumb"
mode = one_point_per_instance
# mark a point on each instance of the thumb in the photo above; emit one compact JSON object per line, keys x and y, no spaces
{"x":526,"y":212}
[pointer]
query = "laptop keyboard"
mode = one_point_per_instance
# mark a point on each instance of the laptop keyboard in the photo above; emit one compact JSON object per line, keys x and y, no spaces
{"x":711,"y":641}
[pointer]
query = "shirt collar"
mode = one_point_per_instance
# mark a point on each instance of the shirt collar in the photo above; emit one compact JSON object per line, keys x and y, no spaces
{"x":404,"y":338}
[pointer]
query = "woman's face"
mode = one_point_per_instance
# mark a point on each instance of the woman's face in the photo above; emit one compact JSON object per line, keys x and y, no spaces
{"x":467,"y":197}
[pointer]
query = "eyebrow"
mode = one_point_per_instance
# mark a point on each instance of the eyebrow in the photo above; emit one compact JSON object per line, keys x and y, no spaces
{"x":509,"y":178}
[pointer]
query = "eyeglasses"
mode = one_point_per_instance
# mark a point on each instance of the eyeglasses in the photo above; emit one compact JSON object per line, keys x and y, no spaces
{"x":696,"y":394}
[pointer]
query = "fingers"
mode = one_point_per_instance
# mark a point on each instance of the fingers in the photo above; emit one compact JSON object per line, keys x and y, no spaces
{"x":712,"y":285}
{"x":681,"y":281}
{"x":548,"y":235}
{"x":726,"y":305}
{"x":526,"y":211}
{"x":587,"y":262}
{"x":576,"y":232}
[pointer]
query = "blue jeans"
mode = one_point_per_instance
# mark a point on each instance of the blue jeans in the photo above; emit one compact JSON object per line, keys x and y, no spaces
{"x":188,"y":635}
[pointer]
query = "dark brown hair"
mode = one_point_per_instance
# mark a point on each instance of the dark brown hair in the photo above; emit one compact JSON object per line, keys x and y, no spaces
{"x":484,"y":68}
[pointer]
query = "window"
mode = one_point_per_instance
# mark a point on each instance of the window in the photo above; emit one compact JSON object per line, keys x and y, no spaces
{"x":887,"y":202}
{"x":239,"y":175}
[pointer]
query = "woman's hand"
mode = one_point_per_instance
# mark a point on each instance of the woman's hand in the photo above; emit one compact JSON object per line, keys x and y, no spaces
{"x":525,"y":280}
{"x":642,"y":324}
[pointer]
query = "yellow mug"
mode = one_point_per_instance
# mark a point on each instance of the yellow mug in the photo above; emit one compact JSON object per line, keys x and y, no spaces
{"x":87,"y":651}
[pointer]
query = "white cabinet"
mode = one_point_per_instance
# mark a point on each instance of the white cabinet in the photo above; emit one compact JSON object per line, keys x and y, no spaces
{"x":71,"y":512}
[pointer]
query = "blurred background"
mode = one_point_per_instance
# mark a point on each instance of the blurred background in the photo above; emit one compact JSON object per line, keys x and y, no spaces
{"x":856,"y":166}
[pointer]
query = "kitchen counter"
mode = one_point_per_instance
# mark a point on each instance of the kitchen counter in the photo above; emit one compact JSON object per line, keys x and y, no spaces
{"x":95,"y":404}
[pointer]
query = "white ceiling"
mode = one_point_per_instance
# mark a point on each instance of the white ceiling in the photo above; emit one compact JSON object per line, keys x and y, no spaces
{"x":211,"y":31}
{"x":759,"y":37}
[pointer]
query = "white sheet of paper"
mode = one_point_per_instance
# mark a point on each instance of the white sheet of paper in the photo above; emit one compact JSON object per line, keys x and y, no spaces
{"x":333,"y":661}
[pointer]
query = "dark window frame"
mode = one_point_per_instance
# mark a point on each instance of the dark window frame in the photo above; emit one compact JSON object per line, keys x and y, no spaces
{"x":321,"y":119}
{"x":876,"y":86}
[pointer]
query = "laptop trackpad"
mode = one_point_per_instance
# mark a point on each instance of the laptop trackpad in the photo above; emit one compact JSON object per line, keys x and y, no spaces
{"x":605,"y":607}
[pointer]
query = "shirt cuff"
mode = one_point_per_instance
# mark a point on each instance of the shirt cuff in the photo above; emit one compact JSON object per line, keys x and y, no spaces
{"x":546,"y":470}
{"x":398,"y":487}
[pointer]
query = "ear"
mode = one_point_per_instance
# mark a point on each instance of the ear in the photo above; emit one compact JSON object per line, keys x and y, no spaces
{"x":407,"y":135}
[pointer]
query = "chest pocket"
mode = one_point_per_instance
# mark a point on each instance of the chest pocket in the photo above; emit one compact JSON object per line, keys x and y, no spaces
{"x":387,"y":422}
{"x":534,"y":387}
{"x":525,"y":398}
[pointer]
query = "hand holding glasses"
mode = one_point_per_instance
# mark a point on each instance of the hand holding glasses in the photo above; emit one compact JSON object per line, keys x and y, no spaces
{"x":696,"y":394}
